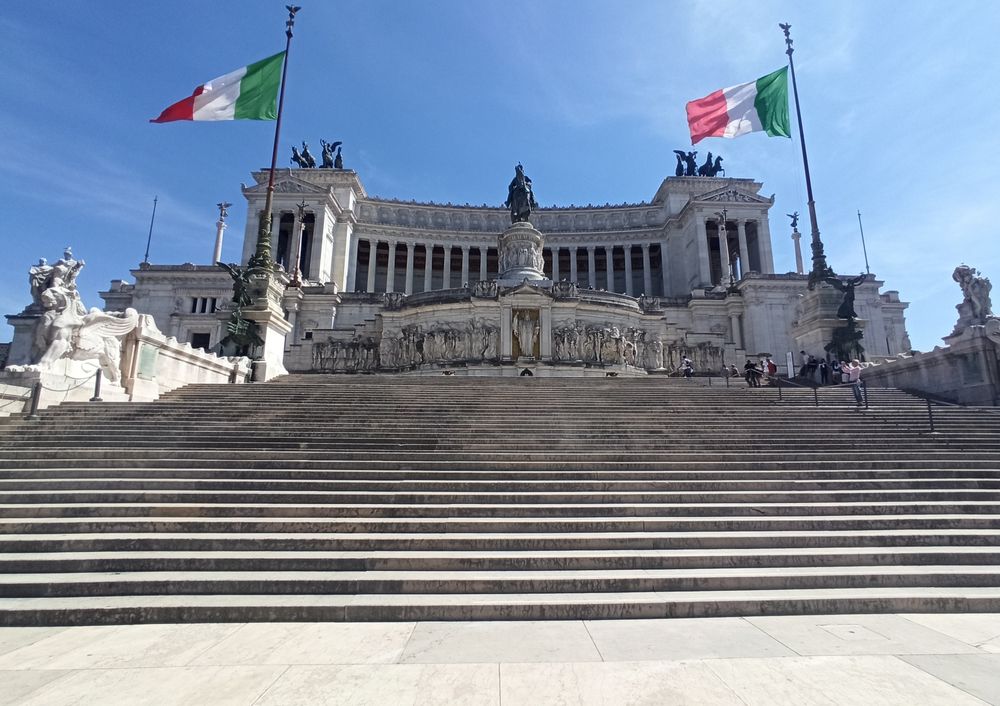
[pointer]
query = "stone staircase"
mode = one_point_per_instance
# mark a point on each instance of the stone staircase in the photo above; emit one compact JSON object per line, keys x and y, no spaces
{"x":394,"y":498}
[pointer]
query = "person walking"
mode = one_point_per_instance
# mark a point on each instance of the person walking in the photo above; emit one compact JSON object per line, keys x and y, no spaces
{"x":854,"y":378}
{"x":752,"y":374}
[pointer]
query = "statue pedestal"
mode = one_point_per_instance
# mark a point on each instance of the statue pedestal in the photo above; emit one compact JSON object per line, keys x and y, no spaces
{"x":267,"y":312}
{"x":818,"y":320}
{"x":22,"y":344}
{"x":519,"y":252}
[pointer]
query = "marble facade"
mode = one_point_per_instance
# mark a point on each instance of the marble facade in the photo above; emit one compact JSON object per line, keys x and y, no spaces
{"x":412,"y":287}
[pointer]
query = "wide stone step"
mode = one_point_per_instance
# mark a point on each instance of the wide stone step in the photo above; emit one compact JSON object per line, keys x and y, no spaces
{"x":556,"y":560}
{"x":973,"y":481}
{"x":10,"y":526}
{"x":486,"y":542}
{"x":518,"y":606}
{"x":403,"y":582}
{"x":351,"y":498}
{"x":398,"y":510}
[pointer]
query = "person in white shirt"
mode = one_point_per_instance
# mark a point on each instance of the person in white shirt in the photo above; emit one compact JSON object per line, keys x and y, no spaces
{"x":854,"y":378}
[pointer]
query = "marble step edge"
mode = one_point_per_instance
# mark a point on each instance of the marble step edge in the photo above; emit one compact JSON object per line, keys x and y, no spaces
{"x":561,"y":606}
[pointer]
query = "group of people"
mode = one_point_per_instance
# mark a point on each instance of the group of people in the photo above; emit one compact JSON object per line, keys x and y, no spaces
{"x":841,"y":372}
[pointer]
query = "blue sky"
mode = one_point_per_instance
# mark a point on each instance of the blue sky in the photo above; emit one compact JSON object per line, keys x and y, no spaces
{"x":437,"y":100}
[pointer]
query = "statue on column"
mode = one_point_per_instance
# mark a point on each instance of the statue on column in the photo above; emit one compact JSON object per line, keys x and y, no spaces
{"x":520,"y":197}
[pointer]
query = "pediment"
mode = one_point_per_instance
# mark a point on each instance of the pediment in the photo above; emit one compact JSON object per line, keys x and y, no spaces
{"x":731,"y":194}
{"x":286,"y":185}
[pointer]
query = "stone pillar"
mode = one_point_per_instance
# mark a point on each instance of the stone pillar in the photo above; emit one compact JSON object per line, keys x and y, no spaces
{"x":647,"y":271}
{"x":723,"y":254}
{"x":741,"y":232}
{"x":483,"y":250}
{"x":372,"y":264}
{"x":627,"y":249}
{"x":572,"y":264}
{"x":409,"y":268}
{"x":704,"y":268}
{"x":506,"y":342}
{"x":664,"y":271}
{"x":796,"y":237}
{"x":545,"y":333}
{"x":555,"y":264}
{"x":609,"y":266}
{"x":734,"y":322}
{"x":591,"y":267}
{"x":428,"y":266}
{"x":446,"y":276}
{"x":352,"y":265}
{"x":390,"y":268}
{"x":220,"y":227}
{"x":465,"y":265}
{"x":293,"y":250}
{"x":764,"y":247}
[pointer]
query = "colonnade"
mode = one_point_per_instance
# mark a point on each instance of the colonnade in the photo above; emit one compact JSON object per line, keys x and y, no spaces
{"x":388,"y":265}
{"x":732,"y":246}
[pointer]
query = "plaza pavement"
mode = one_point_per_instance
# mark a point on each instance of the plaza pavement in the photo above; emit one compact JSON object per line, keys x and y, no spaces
{"x":945,"y":659}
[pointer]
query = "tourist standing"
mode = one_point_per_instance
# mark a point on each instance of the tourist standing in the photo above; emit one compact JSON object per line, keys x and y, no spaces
{"x":687,"y":369}
{"x":824,"y":372}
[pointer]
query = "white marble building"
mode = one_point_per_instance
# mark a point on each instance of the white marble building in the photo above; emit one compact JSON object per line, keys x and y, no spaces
{"x":404,"y":286}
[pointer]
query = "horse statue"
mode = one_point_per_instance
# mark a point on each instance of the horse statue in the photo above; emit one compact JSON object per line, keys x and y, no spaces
{"x":520,"y":198}
{"x":679,"y":171}
{"x":706,"y":169}
{"x":716,"y":168}
{"x":307,"y":156}
{"x":297,"y":158}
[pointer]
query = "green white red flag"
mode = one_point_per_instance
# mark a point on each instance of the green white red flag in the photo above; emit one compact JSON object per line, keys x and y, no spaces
{"x":249,"y":93}
{"x":757,"y":106}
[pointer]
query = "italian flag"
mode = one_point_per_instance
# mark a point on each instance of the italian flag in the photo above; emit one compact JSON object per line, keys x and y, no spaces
{"x":249,"y":93}
{"x":758,"y":106}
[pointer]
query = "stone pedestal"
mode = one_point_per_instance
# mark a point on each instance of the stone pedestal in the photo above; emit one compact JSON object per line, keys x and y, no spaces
{"x":267,"y":312}
{"x":65,"y":381}
{"x":519,"y":250}
{"x":818,"y":320}
{"x":24,"y":337}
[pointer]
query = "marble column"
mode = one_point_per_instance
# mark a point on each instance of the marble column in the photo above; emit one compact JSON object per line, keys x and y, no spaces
{"x":482,"y":262}
{"x":372,"y":264}
{"x":764,"y":247}
{"x":352,"y":270}
{"x":446,"y":276}
{"x":409,"y":268}
{"x":734,"y":321}
{"x":664,"y":270}
{"x":627,"y":249}
{"x":647,"y":271}
{"x":465,"y":265}
{"x":704,"y":268}
{"x":723,"y":254}
{"x":591,"y":267}
{"x":390,"y":270}
{"x":572,"y":264}
{"x":741,"y":232}
{"x":609,"y":266}
{"x":555,"y":264}
{"x":293,"y":249}
{"x":428,"y":266}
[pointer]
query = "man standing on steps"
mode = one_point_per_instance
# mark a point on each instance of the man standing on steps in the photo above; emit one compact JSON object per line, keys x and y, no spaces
{"x":854,"y":378}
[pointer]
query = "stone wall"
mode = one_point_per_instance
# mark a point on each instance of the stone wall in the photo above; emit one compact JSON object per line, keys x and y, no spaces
{"x":964,"y":372}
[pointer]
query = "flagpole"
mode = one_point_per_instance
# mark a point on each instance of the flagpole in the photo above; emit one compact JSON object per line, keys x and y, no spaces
{"x":820,"y":270}
{"x":863,"y":248}
{"x":261,"y":258}
{"x":149,"y":238}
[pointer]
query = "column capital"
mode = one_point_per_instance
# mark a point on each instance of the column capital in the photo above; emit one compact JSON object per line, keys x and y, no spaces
{"x":645,"y":246}
{"x":410,"y":246}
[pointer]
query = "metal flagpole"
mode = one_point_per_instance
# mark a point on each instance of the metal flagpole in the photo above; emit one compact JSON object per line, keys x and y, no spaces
{"x":261,"y":258}
{"x":863,"y":248}
{"x":820,"y":270}
{"x":149,"y":238}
